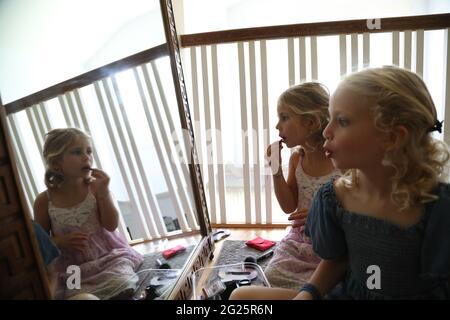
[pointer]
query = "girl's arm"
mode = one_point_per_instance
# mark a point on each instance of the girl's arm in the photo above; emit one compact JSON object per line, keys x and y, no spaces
{"x":326,"y":277}
{"x":108,"y":214}
{"x":286,"y":191}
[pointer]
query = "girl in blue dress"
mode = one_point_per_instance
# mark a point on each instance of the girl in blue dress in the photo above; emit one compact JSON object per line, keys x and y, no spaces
{"x":383,"y":229}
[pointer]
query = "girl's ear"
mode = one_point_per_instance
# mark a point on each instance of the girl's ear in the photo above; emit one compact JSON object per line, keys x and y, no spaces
{"x":309,"y":123}
{"x":397,"y":137}
{"x":55,"y":164}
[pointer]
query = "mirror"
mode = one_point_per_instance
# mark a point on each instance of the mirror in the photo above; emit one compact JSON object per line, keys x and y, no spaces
{"x":136,"y":111}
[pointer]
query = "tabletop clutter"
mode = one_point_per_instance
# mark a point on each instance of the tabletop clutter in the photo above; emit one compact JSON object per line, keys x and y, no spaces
{"x":217,"y":283}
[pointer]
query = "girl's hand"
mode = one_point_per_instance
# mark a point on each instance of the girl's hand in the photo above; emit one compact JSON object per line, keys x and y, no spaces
{"x":99,"y":182}
{"x":76,"y":240}
{"x":298,"y":218}
{"x":273,"y":154}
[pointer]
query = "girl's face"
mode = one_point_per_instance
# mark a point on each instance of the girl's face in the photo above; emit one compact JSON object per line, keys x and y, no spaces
{"x":293,"y":129}
{"x":76,"y":161}
{"x":352,"y":141}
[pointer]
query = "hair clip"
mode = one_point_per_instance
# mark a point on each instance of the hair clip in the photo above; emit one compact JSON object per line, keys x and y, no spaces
{"x":437,"y":126}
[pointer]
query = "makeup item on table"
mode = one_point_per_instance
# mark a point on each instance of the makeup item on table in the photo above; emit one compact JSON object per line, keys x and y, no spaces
{"x":260,"y":244}
{"x":168,"y":253}
{"x":259,"y":258}
{"x":163,"y":265}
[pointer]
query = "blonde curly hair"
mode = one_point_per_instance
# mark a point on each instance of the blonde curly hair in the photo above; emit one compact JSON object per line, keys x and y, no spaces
{"x":399,"y":97}
{"x":309,"y":100}
{"x":56,"y":143}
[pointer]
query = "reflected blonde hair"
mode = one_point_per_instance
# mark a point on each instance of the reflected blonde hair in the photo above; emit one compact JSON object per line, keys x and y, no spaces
{"x":56,"y":143}
{"x":309,"y":100}
{"x":398,"y":97}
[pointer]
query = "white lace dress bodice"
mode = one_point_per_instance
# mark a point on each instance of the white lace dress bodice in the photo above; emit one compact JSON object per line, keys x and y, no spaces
{"x":76,"y":216}
{"x":308,"y":185}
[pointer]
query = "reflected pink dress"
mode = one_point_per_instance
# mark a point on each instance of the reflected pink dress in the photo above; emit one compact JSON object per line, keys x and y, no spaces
{"x":294,"y":260}
{"x":106,"y":265}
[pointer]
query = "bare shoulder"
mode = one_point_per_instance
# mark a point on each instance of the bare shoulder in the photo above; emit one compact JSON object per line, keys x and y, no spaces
{"x":41,"y":199}
{"x":40,"y":210}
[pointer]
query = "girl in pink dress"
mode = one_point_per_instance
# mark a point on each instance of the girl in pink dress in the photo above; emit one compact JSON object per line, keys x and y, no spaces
{"x":303,"y":114}
{"x":78,"y":210}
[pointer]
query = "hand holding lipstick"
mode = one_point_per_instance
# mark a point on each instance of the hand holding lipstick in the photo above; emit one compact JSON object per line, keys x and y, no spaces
{"x":273,"y":154}
{"x":99,"y":182}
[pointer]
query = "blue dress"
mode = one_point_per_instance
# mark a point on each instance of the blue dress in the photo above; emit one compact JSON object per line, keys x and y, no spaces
{"x":414,"y":263}
{"x":47,"y":247}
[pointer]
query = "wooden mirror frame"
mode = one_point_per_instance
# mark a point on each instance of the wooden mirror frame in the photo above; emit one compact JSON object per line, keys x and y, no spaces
{"x":22,"y":270}
{"x":204,"y":250}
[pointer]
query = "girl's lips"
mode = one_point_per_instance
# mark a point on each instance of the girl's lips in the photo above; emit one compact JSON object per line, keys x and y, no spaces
{"x":328,"y":154}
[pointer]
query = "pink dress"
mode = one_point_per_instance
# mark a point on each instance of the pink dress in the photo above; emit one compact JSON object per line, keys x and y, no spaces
{"x":106,"y":265}
{"x":294,"y":260}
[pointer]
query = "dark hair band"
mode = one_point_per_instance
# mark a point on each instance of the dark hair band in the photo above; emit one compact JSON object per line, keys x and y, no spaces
{"x":437,"y":126}
{"x":311,"y":289}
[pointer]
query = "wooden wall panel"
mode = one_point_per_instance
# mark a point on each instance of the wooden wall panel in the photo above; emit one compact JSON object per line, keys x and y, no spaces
{"x":22,"y":272}
{"x":9,"y":203}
